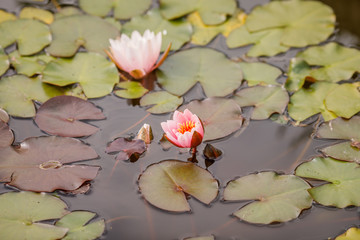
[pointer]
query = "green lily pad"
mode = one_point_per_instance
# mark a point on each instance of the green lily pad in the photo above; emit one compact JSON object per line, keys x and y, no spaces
{"x":265,"y":99}
{"x":130,"y":90}
{"x":161,"y":102}
{"x":203,"y":33}
{"x":220,"y":116}
{"x":341,"y":129}
{"x":260,"y":73}
{"x":278,"y":198}
{"x":30,"y":65}
{"x":351,"y":234}
{"x":4,"y":62}
{"x":164,"y":185}
{"x":218,"y":75}
{"x":211,"y":11}
{"x":96,"y":75}
{"x":37,"y":13}
{"x":69,"y":33}
{"x":31,"y":35}
{"x":123,"y":9}
{"x":343,"y":151}
{"x":307,"y":102}
{"x":178,"y":32}
{"x":75,"y":222}
{"x":343,"y":181}
{"x":21,"y":213}
{"x":18,"y":92}
{"x":298,"y":72}
{"x":67,"y":11}
{"x":6,"y":16}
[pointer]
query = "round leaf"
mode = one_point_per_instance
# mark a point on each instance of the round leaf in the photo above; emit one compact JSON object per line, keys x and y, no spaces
{"x":161,"y":102}
{"x":220,"y":116}
{"x":343,"y":181}
{"x":278,"y":198}
{"x":130,"y":90}
{"x":4,"y":116}
{"x":37,"y":13}
{"x":259,"y":73}
{"x":20,"y":213}
{"x":18,"y":92}
{"x":164,"y":185}
{"x":60,"y":116}
{"x":4,"y":62}
{"x":340,"y":129}
{"x":217,"y":74}
{"x":351,"y":234}
{"x":69,"y":33}
{"x":298,"y":71}
{"x":6,"y":135}
{"x":96,"y":75}
{"x":5,"y":16}
{"x":265,"y":99}
{"x":128,"y":149}
{"x":177,"y":32}
{"x":342,"y":151}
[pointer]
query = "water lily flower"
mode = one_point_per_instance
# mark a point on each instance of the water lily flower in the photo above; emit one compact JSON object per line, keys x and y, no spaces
{"x":137,"y":55}
{"x":185,"y":130}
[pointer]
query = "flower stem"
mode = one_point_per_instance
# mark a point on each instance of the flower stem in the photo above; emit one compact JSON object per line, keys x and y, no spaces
{"x":193,"y":158}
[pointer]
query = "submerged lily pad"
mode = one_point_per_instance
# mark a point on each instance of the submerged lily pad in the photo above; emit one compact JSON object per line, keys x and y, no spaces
{"x":6,"y":135}
{"x":29,"y":65}
{"x":351,"y":234}
{"x":31,"y":35}
{"x":77,"y":221}
{"x":123,"y":9}
{"x":343,"y":181}
{"x":4,"y":62}
{"x":220,"y":116}
{"x":41,"y":164}
{"x":203,"y":33}
{"x":127,"y":149}
{"x":69,"y":33}
{"x":260,"y":73}
{"x":130,"y":90}
{"x":37,"y":13}
{"x":21,"y":214}
{"x":165,"y":185}
{"x":161,"y":102}
{"x":265,"y":99}
{"x":18,"y":92}
{"x":60,"y":116}
{"x":218,"y":75}
{"x":211,"y":11}
{"x":176,"y":32}
{"x":278,"y":198}
{"x":96,"y":75}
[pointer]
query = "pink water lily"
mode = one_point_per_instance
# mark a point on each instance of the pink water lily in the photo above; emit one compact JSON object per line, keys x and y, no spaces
{"x":185,"y":130}
{"x":137,"y":55}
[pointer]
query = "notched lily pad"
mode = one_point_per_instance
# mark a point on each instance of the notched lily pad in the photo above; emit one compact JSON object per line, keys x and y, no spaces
{"x":41,"y":164}
{"x":4,"y":116}
{"x":220,"y":116}
{"x":71,"y":32}
{"x":21,"y":214}
{"x":79,"y":228}
{"x":341,"y":129}
{"x":345,"y":151}
{"x":265,"y":99}
{"x":5,"y":16}
{"x":277,"y":198}
{"x":4,"y":62}
{"x":37,"y":13}
{"x":130,"y":90}
{"x":6,"y":135}
{"x":217,"y":74}
{"x":29,"y":65}
{"x":60,"y":116}
{"x":351,"y":234}
{"x":127,"y":148}
{"x":161,"y":102}
{"x":343,"y":181}
{"x":260,"y":73}
{"x":166,"y":184}
{"x":96,"y":75}
{"x":31,"y":35}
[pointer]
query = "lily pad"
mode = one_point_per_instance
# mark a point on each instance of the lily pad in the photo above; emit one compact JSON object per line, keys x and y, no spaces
{"x":31,"y":35}
{"x":69,"y":33}
{"x":211,"y":11}
{"x":343,"y":151}
{"x":130,"y":90}
{"x":21,"y":214}
{"x":203,"y":33}
{"x":18,"y":92}
{"x":4,"y":116}
{"x":265,"y":99}
{"x":298,"y":73}
{"x":37,"y":13}
{"x":161,"y":102}
{"x":4,"y":62}
{"x":60,"y":116}
{"x":341,"y":129}
{"x":123,"y":9}
{"x":41,"y":164}
{"x":218,"y":75}
{"x":96,"y":75}
{"x":278,"y":198}
{"x":220,"y":116}
{"x":260,"y":73}
{"x":29,"y":65}
{"x":177,"y":32}
{"x":6,"y":135}
{"x":77,"y":221}
{"x":127,"y":149}
{"x":67,"y":11}
{"x":351,"y":234}
{"x":307,"y":102}
{"x":165,"y":185}
{"x":6,"y":16}
{"x":343,"y":181}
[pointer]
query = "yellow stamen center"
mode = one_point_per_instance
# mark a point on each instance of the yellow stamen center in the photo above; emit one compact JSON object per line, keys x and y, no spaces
{"x":186,"y":127}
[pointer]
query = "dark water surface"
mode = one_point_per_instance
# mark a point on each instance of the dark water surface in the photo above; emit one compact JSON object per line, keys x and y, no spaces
{"x":264,"y":145}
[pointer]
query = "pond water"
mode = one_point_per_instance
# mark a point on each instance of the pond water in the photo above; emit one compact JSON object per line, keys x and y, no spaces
{"x":263,"y":145}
